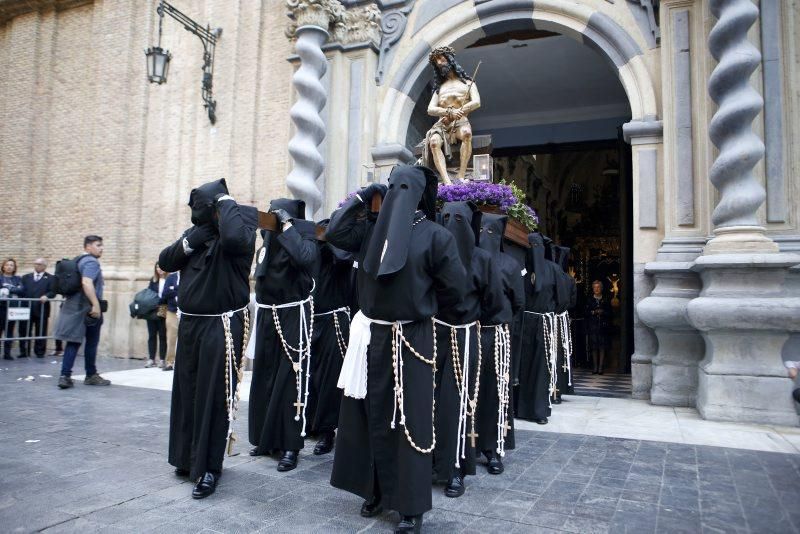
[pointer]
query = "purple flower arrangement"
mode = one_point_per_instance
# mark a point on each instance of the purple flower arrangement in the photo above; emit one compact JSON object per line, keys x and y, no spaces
{"x":508,"y":198}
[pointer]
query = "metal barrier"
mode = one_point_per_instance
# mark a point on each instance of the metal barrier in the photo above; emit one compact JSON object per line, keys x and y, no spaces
{"x":27,"y":314}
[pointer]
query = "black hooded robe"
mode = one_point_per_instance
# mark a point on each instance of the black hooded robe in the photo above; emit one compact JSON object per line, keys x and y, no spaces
{"x":214,"y":280}
{"x":531,"y":398}
{"x":331,"y":333}
{"x":284,"y":274}
{"x":409,"y":270}
{"x":566,"y":298}
{"x":483,"y":295}
{"x":509,"y":272}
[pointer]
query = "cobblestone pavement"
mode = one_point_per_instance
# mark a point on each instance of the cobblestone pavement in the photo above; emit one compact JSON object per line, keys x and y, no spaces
{"x":94,"y":459}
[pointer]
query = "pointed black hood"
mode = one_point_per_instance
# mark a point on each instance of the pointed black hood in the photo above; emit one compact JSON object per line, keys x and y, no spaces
{"x":549,"y":248}
{"x":410,"y":188}
{"x":463,"y":220}
{"x":295,"y":208}
{"x":562,"y":257}
{"x":535,"y":261}
{"x":493,"y":226}
{"x":201,"y":200}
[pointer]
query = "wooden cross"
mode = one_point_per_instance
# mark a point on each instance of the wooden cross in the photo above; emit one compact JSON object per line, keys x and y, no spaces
{"x":472,"y":435}
{"x":299,"y":405}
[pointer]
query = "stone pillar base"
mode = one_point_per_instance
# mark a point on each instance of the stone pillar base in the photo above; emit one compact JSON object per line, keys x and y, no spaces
{"x":758,"y":399}
{"x":740,"y":239}
{"x":745,"y":315}
{"x":641,"y":376}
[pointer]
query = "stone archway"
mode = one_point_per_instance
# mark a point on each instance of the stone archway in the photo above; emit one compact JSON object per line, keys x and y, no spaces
{"x":458,"y":30}
{"x":463,"y":25}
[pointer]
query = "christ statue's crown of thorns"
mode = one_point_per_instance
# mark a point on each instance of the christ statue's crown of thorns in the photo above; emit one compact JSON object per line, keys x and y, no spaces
{"x":440,"y":51}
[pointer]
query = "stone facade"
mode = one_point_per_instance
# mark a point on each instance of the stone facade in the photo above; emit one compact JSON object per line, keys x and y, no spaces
{"x":85,"y":137}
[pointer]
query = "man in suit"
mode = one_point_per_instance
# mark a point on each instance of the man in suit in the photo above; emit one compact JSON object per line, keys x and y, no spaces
{"x":38,"y":285}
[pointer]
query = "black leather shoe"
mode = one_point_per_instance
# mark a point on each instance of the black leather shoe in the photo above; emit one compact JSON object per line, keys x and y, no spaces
{"x":372,"y":507}
{"x":325,"y":444}
{"x":288,"y":461}
{"x":495,"y":465}
{"x":409,"y":523}
{"x":454,"y":488}
{"x":600,"y":372}
{"x":254,"y":452}
{"x":181,"y":472}
{"x":542,"y":421}
{"x":557,"y":400}
{"x":7,"y":357}
{"x":205,"y":486}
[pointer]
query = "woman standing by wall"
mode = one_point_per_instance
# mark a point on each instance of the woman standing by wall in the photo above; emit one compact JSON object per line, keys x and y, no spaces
{"x":157,"y":326}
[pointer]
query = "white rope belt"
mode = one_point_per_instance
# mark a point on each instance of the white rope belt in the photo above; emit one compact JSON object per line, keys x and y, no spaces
{"x":231,"y":366}
{"x":337,"y":328}
{"x":550,"y":331}
{"x":353,"y":377}
{"x":303,"y":349}
{"x":502,"y":366}
{"x":467,"y":406}
{"x":565,"y":335}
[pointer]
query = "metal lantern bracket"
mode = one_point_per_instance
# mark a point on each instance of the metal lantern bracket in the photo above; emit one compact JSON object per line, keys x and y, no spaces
{"x":209,"y":39}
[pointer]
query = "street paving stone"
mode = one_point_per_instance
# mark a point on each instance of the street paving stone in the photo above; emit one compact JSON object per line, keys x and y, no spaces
{"x":93,"y":459}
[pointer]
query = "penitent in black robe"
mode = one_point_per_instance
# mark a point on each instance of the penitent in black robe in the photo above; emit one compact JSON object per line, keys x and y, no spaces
{"x":331,"y":333}
{"x":483,"y":294}
{"x":532,"y":393}
{"x":566,"y":298}
{"x":284,"y":274}
{"x":430,"y":278}
{"x":511,"y":281}
{"x":214,"y":280}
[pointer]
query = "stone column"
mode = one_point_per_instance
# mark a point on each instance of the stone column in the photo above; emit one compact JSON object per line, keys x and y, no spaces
{"x":312,"y":18}
{"x":743,"y":311}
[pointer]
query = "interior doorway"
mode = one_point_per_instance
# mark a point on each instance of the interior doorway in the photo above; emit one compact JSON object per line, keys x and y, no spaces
{"x":553,"y":109}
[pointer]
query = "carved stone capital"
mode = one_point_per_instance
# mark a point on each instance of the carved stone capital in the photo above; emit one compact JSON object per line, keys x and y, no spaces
{"x":319,"y":13}
{"x":358,"y":25}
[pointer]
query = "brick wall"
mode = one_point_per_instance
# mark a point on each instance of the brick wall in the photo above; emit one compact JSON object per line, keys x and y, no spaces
{"x":88,"y":146}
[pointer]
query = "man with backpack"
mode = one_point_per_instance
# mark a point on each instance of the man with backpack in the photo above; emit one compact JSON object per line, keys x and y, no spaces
{"x":81,"y":281}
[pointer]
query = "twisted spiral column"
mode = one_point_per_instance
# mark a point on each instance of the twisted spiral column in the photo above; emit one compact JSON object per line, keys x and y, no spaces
{"x":305,"y":113}
{"x":730,"y":128}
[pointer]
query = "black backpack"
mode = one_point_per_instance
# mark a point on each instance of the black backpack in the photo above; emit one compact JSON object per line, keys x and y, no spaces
{"x":145,"y":304}
{"x":67,"y":276}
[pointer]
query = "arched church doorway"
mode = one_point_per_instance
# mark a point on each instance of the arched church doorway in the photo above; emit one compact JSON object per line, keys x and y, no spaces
{"x":551,"y":117}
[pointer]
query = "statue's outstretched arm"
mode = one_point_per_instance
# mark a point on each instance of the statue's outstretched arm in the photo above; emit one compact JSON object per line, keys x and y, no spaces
{"x":474,"y":100}
{"x":433,"y":108}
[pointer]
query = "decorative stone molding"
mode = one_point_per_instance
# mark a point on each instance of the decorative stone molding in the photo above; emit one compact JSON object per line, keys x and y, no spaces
{"x":14,"y":8}
{"x":319,"y":13}
{"x":358,"y":25}
{"x":650,"y":8}
{"x":393,"y":25}
{"x":730,"y":129}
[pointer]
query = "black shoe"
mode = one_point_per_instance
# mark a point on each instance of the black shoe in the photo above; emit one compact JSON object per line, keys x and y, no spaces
{"x":600,"y":372}
{"x":7,"y":357}
{"x":325,"y":444}
{"x":22,"y":355}
{"x":205,"y":486}
{"x":40,"y":355}
{"x":167,"y":368}
{"x":254,"y":452}
{"x":557,"y":400}
{"x":495,"y":465}
{"x":454,"y":488}
{"x":181,"y":472}
{"x":288,"y":461}
{"x":409,"y":523}
{"x":542,"y":421}
{"x":372,"y":507}
{"x":594,"y":371}
{"x":65,"y":382}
